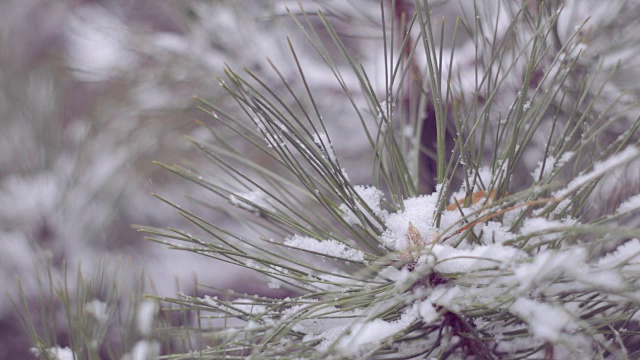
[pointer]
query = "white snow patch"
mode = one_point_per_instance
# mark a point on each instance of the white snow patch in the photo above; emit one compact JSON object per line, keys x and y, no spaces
{"x":373,"y":198}
{"x":144,"y":350}
{"x":545,"y":321}
{"x":98,"y":310}
{"x":344,"y":174}
{"x":328,"y":247}
{"x":373,"y":332}
{"x":272,"y":137}
{"x":419,"y":211}
{"x":321,"y":326}
{"x":550,"y":164}
{"x":599,"y":169}
{"x":611,"y":280}
{"x":146,"y":315}
{"x":252,"y":200}
{"x":447,"y":297}
{"x":495,"y":232}
{"x":427,"y":311}
{"x":631,"y":204}
{"x":483,"y":177}
{"x":383,"y":109}
{"x":453,"y":260}
{"x":58,"y":353}
{"x":322,"y":140}
{"x":239,"y":306}
{"x":626,"y":252}
{"x":549,"y":265}
{"x":329,"y":335}
{"x":545,"y":230}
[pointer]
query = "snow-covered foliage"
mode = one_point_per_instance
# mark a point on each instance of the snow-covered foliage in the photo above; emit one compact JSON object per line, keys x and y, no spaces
{"x":503,"y":258}
{"x":497,"y":288}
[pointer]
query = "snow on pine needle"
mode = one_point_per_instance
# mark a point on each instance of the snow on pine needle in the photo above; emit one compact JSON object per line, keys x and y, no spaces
{"x":499,"y":260}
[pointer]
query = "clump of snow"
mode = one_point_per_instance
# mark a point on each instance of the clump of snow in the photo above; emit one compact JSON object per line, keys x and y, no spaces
{"x":544,"y":230}
{"x":57,"y":353}
{"x":322,"y":140}
{"x":454,"y":260}
{"x":385,"y":106}
{"x":570,"y":263}
{"x":344,"y":174}
{"x":550,"y":165}
{"x":631,"y":204}
{"x":145,"y":316}
{"x":323,"y":324}
{"x":545,"y":321}
{"x":609,"y":280}
{"x":495,"y":232}
{"x":329,"y":336}
{"x":484,"y":178}
{"x":599,"y":169}
{"x":98,"y":310}
{"x":239,"y":306}
{"x":374,"y":331}
{"x":427,"y":311}
{"x":372,"y":197}
{"x":327,"y":247}
{"x":251,"y":201}
{"x":629,"y":251}
{"x":272,"y":137}
{"x":547,"y":266}
{"x":449,"y":297}
{"x":144,"y":350}
{"x":419,"y":211}
{"x":408,"y":131}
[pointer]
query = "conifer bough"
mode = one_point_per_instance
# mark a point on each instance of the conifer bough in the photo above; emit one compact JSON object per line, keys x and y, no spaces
{"x":499,"y":261}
